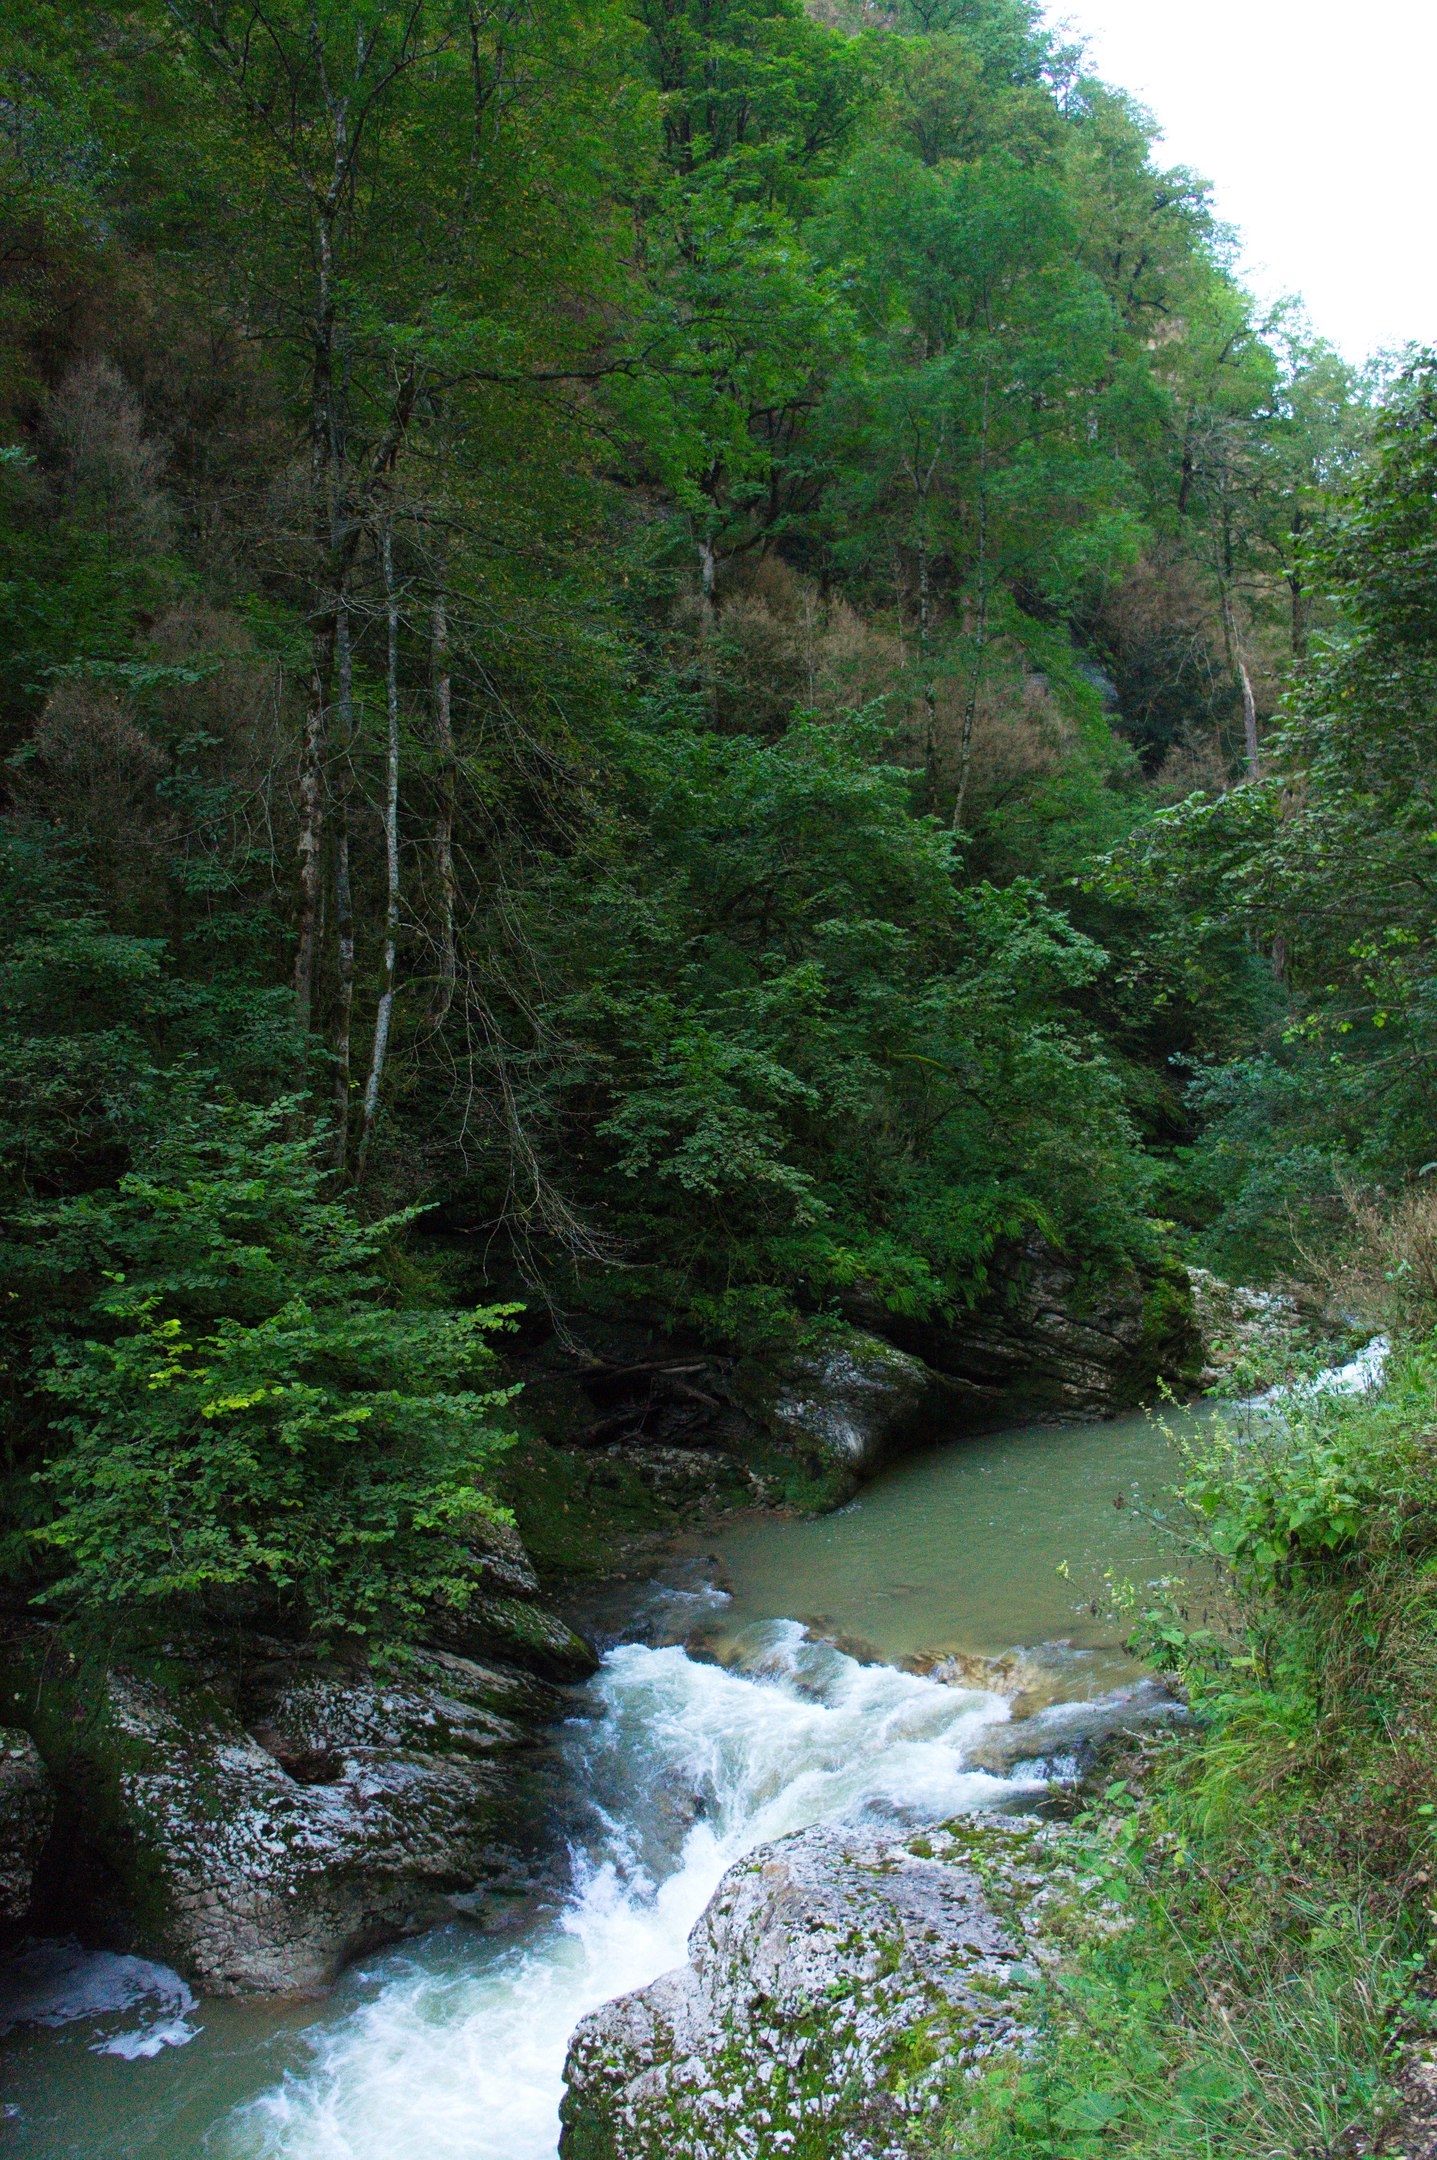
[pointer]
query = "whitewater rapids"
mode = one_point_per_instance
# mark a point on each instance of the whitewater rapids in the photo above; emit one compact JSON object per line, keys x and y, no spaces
{"x":686,"y":1765}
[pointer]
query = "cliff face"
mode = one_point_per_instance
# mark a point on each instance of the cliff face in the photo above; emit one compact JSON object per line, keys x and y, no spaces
{"x":1049,"y":1340}
{"x":27,"y":1815}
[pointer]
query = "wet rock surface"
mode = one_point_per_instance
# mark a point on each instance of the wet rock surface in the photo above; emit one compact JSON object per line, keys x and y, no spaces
{"x":257,"y":1857}
{"x":1245,"y":1331}
{"x":27,"y":1813}
{"x":837,"y":1981}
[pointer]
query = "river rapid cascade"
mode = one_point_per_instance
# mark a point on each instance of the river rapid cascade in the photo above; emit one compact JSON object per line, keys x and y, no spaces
{"x":723,"y":1723}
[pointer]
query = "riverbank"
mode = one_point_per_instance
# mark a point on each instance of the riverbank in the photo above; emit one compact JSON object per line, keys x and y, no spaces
{"x":1270,"y":1991}
{"x":985,"y":1569}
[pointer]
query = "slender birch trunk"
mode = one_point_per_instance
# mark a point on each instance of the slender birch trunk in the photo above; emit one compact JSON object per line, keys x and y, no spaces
{"x":1237,"y":661}
{"x":1249,"y":718}
{"x":970,"y":709}
{"x":708,"y":580}
{"x":310,"y":844}
{"x":444,"y":821}
{"x":921,"y":480}
{"x":325,"y":438}
{"x":385,"y":1009}
{"x":930,"y":688}
{"x":343,"y":905}
{"x":344,"y":1001}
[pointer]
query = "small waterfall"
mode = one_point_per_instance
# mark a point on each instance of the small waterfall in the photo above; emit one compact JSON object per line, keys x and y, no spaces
{"x":686,"y":1766}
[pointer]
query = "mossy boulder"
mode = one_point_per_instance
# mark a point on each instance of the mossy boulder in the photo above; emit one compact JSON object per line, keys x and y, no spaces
{"x":258,"y":1856}
{"x":838,"y":1981}
{"x":846,"y":1404}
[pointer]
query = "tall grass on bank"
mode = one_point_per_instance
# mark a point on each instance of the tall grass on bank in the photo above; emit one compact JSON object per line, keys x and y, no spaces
{"x":1254,"y":1952}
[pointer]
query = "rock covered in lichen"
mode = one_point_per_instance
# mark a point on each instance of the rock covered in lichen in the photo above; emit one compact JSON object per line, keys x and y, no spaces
{"x":838,"y":1981}
{"x":260,"y":1834}
{"x":27,"y":1811}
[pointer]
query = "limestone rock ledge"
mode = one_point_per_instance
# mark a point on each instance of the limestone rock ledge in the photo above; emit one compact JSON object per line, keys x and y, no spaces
{"x":1047,"y":1341}
{"x":256,"y":1838}
{"x":837,"y":1982}
{"x":255,"y":1809}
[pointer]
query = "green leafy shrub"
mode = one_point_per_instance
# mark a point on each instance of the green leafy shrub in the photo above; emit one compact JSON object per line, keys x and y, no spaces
{"x":255,"y":1413}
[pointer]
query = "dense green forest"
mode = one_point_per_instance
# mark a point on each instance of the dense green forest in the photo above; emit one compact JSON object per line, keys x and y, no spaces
{"x":644,"y":658}
{"x":688,"y":660}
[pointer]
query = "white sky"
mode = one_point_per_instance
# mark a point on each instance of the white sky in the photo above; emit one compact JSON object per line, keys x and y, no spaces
{"x":1315,"y":122}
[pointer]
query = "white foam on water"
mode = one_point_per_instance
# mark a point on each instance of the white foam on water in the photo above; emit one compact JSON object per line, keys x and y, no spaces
{"x":1362,"y":1375}
{"x":58,"y":1983}
{"x":446,"y":2065}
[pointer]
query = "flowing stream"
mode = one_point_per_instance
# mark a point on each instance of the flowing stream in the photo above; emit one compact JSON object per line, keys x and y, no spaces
{"x":929,"y":1649}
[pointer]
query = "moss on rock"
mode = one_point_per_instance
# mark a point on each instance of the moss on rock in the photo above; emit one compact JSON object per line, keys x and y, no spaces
{"x":838,"y":1981}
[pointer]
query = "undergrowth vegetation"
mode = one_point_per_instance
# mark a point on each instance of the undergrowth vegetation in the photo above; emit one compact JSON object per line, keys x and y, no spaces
{"x":1260,"y":1963}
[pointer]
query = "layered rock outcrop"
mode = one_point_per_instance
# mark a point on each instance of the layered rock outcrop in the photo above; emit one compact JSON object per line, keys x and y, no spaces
{"x":836,"y":1983}
{"x":255,"y":1810}
{"x":27,"y":1813}
{"x":1049,"y":1340}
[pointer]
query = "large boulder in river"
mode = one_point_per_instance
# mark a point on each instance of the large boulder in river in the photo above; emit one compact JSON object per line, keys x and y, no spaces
{"x":27,"y":1812}
{"x":836,"y":1983}
{"x":1050,"y":1339}
{"x":846,"y":1404}
{"x":255,"y":1830}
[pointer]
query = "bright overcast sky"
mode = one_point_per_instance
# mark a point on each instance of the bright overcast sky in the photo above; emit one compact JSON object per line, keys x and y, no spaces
{"x":1315,"y":123}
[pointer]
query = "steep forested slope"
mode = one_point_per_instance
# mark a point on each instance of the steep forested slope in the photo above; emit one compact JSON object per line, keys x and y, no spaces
{"x":583,"y":588}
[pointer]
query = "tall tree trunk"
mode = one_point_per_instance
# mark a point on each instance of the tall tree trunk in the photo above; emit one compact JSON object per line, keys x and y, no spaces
{"x":970,"y":708}
{"x":444,"y":820}
{"x":385,"y":1009}
{"x":1299,"y":615}
{"x":1298,"y":590}
{"x":1236,"y":660}
{"x":310,"y":844}
{"x":708,"y":625}
{"x":930,"y":688}
{"x":344,"y":1002}
{"x":325,"y":451}
{"x":921,"y":480}
{"x":1249,"y":719}
{"x":343,"y":903}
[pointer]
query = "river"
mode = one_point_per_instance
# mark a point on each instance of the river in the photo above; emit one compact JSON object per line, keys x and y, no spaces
{"x":926,"y":1650}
